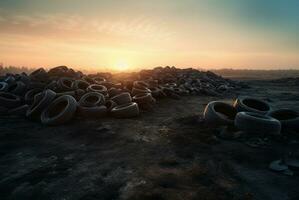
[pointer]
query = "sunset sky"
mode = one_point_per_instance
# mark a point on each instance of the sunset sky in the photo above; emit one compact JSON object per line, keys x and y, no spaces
{"x":132,"y":34}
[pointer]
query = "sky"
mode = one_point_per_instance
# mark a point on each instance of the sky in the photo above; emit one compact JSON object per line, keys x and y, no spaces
{"x":133,"y":34}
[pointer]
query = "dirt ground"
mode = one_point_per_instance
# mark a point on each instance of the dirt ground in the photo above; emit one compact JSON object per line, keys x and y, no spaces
{"x":164,"y":154}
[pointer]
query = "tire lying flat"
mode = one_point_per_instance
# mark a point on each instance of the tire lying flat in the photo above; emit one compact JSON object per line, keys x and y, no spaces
{"x":126,"y":110}
{"x":255,"y":123}
{"x":250,"y":104}
{"x":288,"y":118}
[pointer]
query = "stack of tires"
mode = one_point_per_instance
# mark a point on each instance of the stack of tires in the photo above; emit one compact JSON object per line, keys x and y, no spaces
{"x":252,"y":116}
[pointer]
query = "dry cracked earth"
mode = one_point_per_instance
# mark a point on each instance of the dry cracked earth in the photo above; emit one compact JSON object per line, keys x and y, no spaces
{"x":163,"y":154}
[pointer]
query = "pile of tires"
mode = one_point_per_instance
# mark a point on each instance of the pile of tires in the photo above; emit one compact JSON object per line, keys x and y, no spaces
{"x":56,"y":96}
{"x":252,"y":116}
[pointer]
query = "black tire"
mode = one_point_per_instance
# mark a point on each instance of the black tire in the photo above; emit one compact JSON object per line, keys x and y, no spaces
{"x":29,"y":96}
{"x":288,"y":118}
{"x":123,"y":98}
{"x":99,"y":80}
{"x":39,"y":75}
{"x":97,"y":88}
{"x":10,"y":80}
{"x":18,"y":88}
{"x":58,"y":71}
{"x":140,"y":91}
{"x":19,"y":111}
{"x":145,"y":98}
{"x":92,"y":99}
{"x":255,"y":123}
{"x":92,"y":112}
{"x":113,"y":92}
{"x":125,"y":111}
{"x":3,"y":86}
{"x":249,"y":104}
{"x":60,"y":111}
{"x":80,"y":84}
{"x":9,"y":100}
{"x":41,"y":101}
{"x":110,"y":104}
{"x":140,"y":85}
{"x":155,"y":91}
{"x":64,"y":84}
{"x":218,"y":114}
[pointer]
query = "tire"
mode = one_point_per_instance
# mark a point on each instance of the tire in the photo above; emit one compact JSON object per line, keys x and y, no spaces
{"x":29,"y":96}
{"x":251,"y":122}
{"x":140,"y":85}
{"x":92,"y":99}
{"x":155,"y":91}
{"x":113,"y":92}
{"x":64,"y":84}
{"x":35,"y":84}
{"x":18,"y":88}
{"x":9,"y":100}
{"x":139,"y":91}
{"x":218,"y":114}
{"x":249,"y":104}
{"x":58,"y":71}
{"x":39,"y":75}
{"x":109,"y":105}
{"x":288,"y":118}
{"x":41,"y":101}
{"x":97,"y":88}
{"x":80,"y":84}
{"x":10,"y":80}
{"x":3,"y":86}
{"x":145,"y":98}
{"x":52,"y":85}
{"x":20,"y":111}
{"x":92,"y":112}
{"x":60,"y":111}
{"x":125,"y":111}
{"x":99,"y":80}
{"x":123,"y":98}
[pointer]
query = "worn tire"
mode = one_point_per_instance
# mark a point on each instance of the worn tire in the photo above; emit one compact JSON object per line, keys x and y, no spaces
{"x":249,"y":104}
{"x":140,"y":85}
{"x":251,"y":122}
{"x":113,"y":92}
{"x":20,"y":111}
{"x":80,"y":84}
{"x":97,"y":88}
{"x":123,"y":98}
{"x":92,"y":99}
{"x":64,"y":84}
{"x":18,"y":88}
{"x":9,"y":100}
{"x":41,"y":101}
{"x":39,"y":75}
{"x":140,"y":91}
{"x":3,"y":86}
{"x":60,"y":111}
{"x":110,"y":104}
{"x":91,"y":112}
{"x":145,"y":98}
{"x":126,"y":110}
{"x":29,"y":96}
{"x":218,"y":113}
{"x":288,"y":118}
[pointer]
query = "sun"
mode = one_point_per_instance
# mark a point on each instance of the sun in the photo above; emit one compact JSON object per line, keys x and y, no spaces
{"x":121,"y":66}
